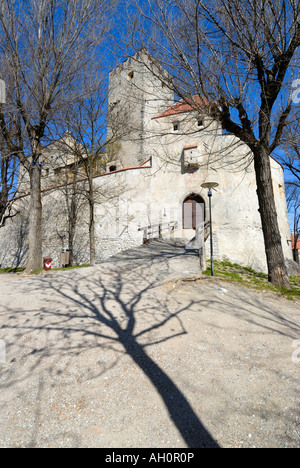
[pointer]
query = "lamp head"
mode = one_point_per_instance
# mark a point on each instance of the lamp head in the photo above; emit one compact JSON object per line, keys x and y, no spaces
{"x":209,"y":185}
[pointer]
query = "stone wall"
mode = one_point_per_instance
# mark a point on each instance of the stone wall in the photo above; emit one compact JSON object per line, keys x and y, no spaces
{"x":111,"y":233}
{"x":14,"y":238}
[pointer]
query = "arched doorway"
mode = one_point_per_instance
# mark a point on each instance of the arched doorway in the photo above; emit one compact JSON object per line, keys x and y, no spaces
{"x":193,"y":212}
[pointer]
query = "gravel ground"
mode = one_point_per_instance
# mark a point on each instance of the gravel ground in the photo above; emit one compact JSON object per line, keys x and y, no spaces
{"x":131,"y":353}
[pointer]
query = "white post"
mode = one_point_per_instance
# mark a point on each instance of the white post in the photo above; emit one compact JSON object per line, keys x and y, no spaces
{"x":2,"y":92}
{"x":2,"y":352}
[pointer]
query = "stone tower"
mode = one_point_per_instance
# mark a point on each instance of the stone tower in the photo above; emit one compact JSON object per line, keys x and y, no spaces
{"x":139,"y":89}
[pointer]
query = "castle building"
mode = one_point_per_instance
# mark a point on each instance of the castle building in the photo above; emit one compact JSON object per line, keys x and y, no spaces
{"x":163,"y":153}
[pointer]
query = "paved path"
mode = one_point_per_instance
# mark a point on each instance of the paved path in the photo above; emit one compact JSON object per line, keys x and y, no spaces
{"x":125,"y":355}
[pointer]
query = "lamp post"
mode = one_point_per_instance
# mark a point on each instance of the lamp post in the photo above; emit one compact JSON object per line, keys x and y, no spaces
{"x":210,"y":186}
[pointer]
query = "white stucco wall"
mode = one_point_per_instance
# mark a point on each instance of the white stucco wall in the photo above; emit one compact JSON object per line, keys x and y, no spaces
{"x":155,"y":195}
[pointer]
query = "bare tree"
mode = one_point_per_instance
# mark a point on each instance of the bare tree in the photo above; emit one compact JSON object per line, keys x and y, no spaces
{"x":92,"y":148}
{"x":242,"y":58}
{"x":290,"y":157}
{"x":8,"y":169}
{"x":45,"y":46}
{"x":74,"y":201}
{"x":87,"y":122}
{"x":294,"y":209}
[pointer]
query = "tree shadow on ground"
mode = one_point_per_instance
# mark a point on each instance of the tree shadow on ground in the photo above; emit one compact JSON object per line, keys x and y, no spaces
{"x":119,"y":308}
{"x":123,"y":325}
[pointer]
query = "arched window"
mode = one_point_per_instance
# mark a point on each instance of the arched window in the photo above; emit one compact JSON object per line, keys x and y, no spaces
{"x":193,"y":212}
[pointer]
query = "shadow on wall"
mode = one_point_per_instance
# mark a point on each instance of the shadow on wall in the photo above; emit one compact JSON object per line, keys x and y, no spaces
{"x":14,"y":242}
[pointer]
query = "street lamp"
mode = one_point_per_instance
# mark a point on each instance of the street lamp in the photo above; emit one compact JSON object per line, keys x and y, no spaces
{"x":210,"y":186}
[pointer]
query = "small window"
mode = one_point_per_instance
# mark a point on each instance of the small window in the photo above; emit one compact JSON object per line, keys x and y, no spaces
{"x":176,"y":126}
{"x":130,"y":75}
{"x":281,"y":190}
{"x":200,"y":123}
{"x":114,"y":104}
{"x":112,"y":168}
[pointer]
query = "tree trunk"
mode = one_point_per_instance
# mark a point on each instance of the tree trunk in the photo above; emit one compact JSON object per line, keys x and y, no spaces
{"x":295,"y":249}
{"x":3,"y":202}
{"x":72,"y":219}
{"x":71,"y":239}
{"x":277,"y":271}
{"x":35,"y":222}
{"x":92,"y":222}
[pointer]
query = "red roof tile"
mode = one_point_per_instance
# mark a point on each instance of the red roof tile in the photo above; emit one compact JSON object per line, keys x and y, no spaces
{"x":190,"y":147}
{"x":185,"y":105}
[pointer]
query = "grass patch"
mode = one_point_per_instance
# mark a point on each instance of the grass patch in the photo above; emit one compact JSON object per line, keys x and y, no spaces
{"x":248,"y":277}
{"x":73,"y":267}
{"x":36,"y":272}
{"x":40,"y":270}
{"x":12,"y":270}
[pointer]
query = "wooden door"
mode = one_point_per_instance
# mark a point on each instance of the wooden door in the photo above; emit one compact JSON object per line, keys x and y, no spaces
{"x":193,"y":212}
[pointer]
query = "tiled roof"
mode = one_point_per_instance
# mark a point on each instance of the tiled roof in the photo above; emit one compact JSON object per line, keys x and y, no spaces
{"x":185,"y":105}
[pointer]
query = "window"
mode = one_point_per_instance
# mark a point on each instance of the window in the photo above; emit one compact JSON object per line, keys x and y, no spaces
{"x":176,"y":126}
{"x":281,"y":190}
{"x":112,"y":168}
{"x":130,"y":76}
{"x":114,"y":104}
{"x":200,"y":123}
